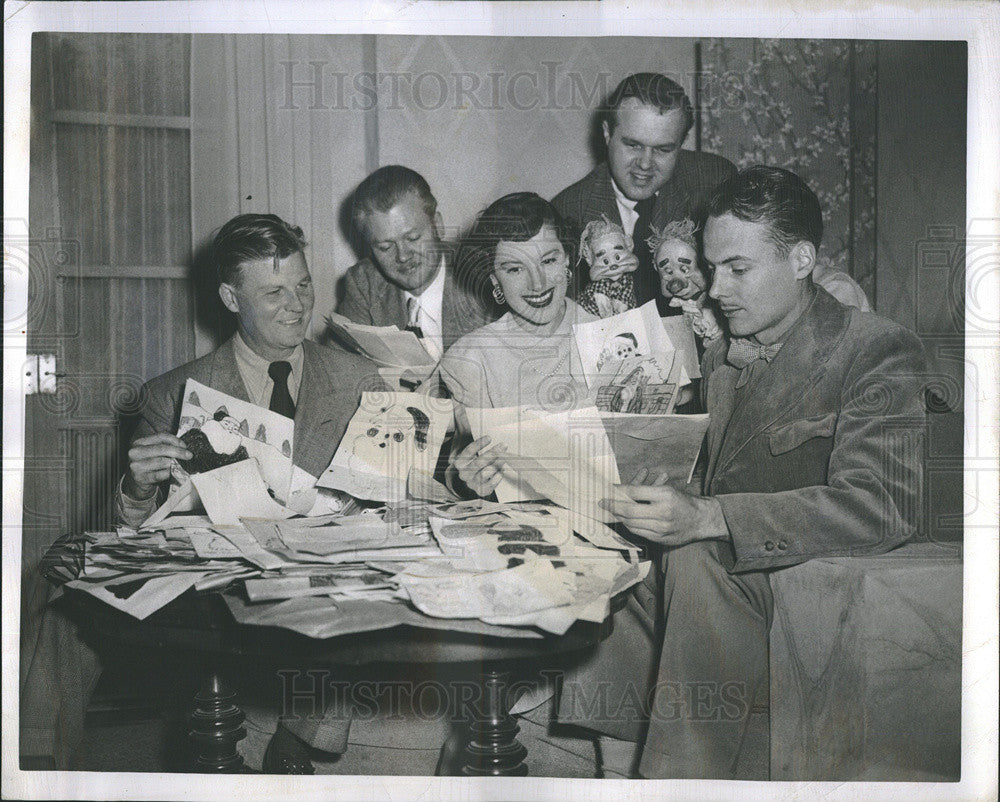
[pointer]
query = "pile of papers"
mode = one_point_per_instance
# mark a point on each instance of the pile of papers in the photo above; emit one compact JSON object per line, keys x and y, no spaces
{"x":511,"y":565}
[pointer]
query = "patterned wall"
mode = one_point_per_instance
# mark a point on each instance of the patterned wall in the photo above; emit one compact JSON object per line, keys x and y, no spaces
{"x":809,"y":106}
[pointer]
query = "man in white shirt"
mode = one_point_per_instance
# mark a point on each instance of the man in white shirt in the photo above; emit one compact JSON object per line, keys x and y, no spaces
{"x":408,"y":279}
{"x":648,"y":179}
{"x":265,"y":282}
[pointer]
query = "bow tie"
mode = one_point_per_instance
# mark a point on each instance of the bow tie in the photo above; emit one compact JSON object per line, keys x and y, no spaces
{"x":743,"y":353}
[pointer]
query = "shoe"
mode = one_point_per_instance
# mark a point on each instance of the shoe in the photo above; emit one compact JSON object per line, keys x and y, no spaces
{"x":286,"y":754}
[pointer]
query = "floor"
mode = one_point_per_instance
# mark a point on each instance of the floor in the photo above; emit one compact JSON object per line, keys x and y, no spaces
{"x":122,"y":734}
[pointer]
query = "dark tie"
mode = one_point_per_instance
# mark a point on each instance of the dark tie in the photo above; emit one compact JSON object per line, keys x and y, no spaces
{"x":281,"y":399}
{"x":743,"y":354}
{"x":645,"y":277}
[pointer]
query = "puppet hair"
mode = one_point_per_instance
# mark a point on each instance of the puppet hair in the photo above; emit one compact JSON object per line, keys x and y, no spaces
{"x":684,"y":230}
{"x":599,"y":228}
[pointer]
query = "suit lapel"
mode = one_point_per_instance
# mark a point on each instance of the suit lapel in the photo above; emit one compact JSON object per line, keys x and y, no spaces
{"x":312,"y":410}
{"x":798,"y":366}
{"x":225,"y":375}
{"x":602,"y":199}
{"x":675,"y":196}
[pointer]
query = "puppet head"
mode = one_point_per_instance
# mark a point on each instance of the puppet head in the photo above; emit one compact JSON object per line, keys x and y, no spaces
{"x":607,"y":249}
{"x":675,"y":256}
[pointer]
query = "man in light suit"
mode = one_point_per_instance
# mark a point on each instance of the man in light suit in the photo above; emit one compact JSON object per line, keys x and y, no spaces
{"x":265,"y":282}
{"x":817,"y":415}
{"x":648,"y":179}
{"x":409,"y":279}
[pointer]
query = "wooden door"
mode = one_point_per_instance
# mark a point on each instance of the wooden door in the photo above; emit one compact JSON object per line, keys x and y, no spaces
{"x":109,"y":250}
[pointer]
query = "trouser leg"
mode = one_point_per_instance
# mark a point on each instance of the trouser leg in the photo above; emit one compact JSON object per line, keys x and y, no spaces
{"x":712,"y":663}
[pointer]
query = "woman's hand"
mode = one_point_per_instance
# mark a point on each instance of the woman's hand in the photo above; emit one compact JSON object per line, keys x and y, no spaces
{"x":480,"y":467}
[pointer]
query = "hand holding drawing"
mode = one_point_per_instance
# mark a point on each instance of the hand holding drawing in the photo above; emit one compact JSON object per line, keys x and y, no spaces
{"x":150,"y":459}
{"x":663,"y":515}
{"x":481,"y":467}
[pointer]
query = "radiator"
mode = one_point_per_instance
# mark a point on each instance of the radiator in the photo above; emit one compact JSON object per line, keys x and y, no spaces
{"x":94,"y":469}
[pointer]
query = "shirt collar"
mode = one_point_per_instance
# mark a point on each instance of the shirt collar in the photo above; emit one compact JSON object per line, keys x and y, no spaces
{"x":620,"y":196}
{"x":253,"y":368}
{"x":432,"y":297}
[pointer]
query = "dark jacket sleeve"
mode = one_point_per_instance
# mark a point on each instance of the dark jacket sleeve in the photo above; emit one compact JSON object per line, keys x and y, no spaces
{"x":871,"y":501}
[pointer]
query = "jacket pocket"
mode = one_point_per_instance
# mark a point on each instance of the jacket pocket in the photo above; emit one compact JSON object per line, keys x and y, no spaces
{"x":791,"y":435}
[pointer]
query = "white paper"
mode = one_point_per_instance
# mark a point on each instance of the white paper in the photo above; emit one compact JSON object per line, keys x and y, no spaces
{"x":236,"y":491}
{"x":604,"y":343}
{"x":563,"y":456}
{"x":386,"y":345}
{"x":266,"y":436}
{"x":390,"y":434}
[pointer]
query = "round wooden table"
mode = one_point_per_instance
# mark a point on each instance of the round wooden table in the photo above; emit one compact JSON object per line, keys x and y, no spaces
{"x":201,"y":625}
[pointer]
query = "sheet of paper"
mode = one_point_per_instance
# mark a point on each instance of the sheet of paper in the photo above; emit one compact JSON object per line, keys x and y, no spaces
{"x":236,"y":491}
{"x":390,"y":434}
{"x":681,"y":336}
{"x":504,"y":543}
{"x":181,"y":498}
{"x":605,"y":343}
{"x":386,"y":345}
{"x":250,"y":547}
{"x":218,"y":428}
{"x":314,"y":584}
{"x":139,"y":594}
{"x":660,"y":443}
{"x":321,"y":617}
{"x":530,"y":587}
{"x":643,"y":385}
{"x":563,"y":456}
{"x":211,"y":545}
{"x":421,"y":485}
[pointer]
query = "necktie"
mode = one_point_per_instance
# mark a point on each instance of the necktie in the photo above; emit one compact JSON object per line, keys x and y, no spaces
{"x":281,"y":399}
{"x":743,"y":354}
{"x":645,"y":277}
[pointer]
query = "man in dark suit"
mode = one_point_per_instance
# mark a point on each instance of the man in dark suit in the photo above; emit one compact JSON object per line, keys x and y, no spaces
{"x":265,"y":282}
{"x":648,"y":179}
{"x":408,"y":279}
{"x":813,"y":450}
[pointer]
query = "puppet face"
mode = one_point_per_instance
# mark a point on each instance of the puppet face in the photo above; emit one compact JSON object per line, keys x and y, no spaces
{"x":677,"y":264}
{"x":612,"y":256}
{"x":230,"y":424}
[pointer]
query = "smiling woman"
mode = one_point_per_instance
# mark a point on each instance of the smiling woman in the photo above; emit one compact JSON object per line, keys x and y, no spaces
{"x":528,"y":357}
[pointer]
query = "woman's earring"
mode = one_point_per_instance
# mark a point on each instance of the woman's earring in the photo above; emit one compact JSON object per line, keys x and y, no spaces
{"x":569,"y":275}
{"x":498,"y":295}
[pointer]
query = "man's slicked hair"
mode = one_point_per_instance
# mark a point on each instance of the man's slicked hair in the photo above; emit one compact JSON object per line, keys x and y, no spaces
{"x":384,"y":188}
{"x":652,"y":89}
{"x":250,"y":237}
{"x":775,"y":197}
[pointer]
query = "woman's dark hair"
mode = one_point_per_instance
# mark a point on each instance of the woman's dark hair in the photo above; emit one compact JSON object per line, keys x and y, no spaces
{"x":516,"y":217}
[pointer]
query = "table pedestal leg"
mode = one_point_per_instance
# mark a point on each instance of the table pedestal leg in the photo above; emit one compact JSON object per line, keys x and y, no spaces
{"x":493,"y":749}
{"x":216,"y":728}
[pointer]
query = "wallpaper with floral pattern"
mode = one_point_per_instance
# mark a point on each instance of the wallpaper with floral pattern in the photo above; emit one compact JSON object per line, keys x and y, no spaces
{"x":809,"y":106}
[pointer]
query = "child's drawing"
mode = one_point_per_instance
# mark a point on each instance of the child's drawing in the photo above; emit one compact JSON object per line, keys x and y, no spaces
{"x":390,"y":434}
{"x":219,"y":429}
